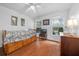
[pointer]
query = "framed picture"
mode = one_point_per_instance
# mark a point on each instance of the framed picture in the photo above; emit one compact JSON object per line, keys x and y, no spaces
{"x":38,"y":25}
{"x":46,"y":22}
{"x":14,"y":20}
{"x":22,"y":22}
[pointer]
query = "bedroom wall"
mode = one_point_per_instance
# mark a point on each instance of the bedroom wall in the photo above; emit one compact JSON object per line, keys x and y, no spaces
{"x":56,"y":15}
{"x":74,"y":13}
{"x":5,"y":21}
{"x":0,"y":38}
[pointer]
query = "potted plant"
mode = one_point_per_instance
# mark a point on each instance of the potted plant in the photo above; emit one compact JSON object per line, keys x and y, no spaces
{"x":60,"y":31}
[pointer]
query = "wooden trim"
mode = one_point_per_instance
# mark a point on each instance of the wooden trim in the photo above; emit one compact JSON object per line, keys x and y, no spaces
{"x":2,"y":51}
{"x":69,"y":46}
{"x":49,"y":39}
{"x":53,"y":41}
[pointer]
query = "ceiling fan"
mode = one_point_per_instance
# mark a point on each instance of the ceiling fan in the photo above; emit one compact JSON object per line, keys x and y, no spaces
{"x":33,"y":7}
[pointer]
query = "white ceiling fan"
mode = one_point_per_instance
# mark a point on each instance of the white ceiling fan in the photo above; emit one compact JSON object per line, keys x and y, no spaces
{"x":33,"y":6}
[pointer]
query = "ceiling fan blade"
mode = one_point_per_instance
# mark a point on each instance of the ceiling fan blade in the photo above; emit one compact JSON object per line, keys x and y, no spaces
{"x":28,"y":9}
{"x":33,"y":7}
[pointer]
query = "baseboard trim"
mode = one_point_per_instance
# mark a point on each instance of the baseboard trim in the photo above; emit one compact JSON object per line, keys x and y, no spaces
{"x":53,"y":41}
{"x":48,"y":39}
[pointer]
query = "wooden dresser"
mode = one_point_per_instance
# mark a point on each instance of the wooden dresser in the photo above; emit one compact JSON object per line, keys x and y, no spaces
{"x":11,"y":47}
{"x":69,"y":46}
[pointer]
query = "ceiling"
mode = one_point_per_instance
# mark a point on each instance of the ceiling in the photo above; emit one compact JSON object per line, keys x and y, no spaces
{"x":45,"y":8}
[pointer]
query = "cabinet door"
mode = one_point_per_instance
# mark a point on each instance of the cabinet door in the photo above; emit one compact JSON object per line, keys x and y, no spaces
{"x":64,"y":46}
{"x":28,"y":41}
{"x":25,"y":42}
{"x":11,"y":48}
{"x":74,"y":47}
{"x":19,"y":44}
{"x":5,"y":48}
{"x":16,"y":45}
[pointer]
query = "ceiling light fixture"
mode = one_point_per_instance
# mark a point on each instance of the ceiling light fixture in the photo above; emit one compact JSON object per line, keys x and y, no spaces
{"x":33,"y":6}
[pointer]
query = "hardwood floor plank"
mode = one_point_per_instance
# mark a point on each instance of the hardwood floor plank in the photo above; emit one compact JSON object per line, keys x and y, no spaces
{"x":43,"y":48}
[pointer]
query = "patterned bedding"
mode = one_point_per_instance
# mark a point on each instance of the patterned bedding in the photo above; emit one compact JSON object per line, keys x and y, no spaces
{"x":12,"y":36}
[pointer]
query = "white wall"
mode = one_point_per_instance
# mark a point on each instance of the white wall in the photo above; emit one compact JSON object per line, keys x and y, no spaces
{"x":50,"y":36}
{"x":5,"y":21}
{"x":0,"y":38}
{"x":74,"y":13}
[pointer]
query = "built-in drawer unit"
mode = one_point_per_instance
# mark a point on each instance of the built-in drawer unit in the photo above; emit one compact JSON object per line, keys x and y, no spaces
{"x":11,"y":47}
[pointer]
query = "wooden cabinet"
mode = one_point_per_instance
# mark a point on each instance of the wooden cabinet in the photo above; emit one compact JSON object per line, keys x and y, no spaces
{"x":10,"y":47}
{"x":18,"y":44}
{"x":29,"y":40}
{"x":69,"y":46}
{"x":26,"y":41}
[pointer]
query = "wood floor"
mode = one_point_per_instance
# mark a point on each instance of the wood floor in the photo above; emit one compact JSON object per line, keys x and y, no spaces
{"x":39,"y":48}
